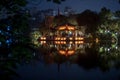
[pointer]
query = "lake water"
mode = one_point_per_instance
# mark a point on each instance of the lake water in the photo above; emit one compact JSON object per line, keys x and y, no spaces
{"x":70,"y":61}
{"x":86,"y":61}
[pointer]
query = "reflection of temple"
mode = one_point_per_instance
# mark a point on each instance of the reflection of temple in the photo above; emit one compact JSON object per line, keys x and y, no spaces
{"x":66,"y":48}
{"x":69,"y":48}
{"x":67,"y":52}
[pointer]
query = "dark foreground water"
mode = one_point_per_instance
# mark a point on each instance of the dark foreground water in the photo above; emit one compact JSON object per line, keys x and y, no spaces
{"x":64,"y":61}
{"x":69,"y":72}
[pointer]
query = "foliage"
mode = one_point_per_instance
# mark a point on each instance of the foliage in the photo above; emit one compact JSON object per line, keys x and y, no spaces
{"x":105,"y":14}
{"x":14,"y":30}
{"x":117,"y":14}
{"x":12,"y":5}
{"x":90,"y":19}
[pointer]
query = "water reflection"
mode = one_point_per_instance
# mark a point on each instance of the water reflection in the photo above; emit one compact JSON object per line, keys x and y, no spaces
{"x":103,"y":55}
{"x":88,"y":55}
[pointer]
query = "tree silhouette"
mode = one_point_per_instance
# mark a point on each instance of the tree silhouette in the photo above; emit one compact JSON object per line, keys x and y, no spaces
{"x":90,"y":19}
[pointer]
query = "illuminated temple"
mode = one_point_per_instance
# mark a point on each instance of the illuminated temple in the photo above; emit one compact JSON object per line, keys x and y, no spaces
{"x":61,"y":27}
{"x":65,"y":32}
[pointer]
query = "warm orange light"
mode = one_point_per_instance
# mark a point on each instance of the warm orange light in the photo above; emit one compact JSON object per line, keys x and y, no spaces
{"x":97,"y":40}
{"x":79,"y":38}
{"x":43,"y":42}
{"x":66,"y":52}
{"x":71,"y":38}
{"x":71,"y":28}
{"x":64,"y":42}
{"x":79,"y":42}
{"x":62,"y":52}
{"x":71,"y":42}
{"x":71,"y":52}
{"x":60,"y":42}
{"x":64,"y":38}
{"x":66,"y":27}
{"x":62,"y":28}
{"x":57,"y":38}
{"x":43,"y":38}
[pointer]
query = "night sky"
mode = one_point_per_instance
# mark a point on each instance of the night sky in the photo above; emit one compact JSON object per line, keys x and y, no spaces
{"x":76,"y":5}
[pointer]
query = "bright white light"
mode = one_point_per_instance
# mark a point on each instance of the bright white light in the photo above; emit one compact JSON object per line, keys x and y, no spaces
{"x":108,"y":49}
{"x":116,"y":47}
{"x":70,"y":32}
{"x":116,"y":33}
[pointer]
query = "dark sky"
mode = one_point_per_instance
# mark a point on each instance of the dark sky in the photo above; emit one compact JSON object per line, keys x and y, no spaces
{"x":76,"y":5}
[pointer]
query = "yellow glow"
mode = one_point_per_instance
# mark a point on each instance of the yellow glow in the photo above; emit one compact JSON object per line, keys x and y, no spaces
{"x":79,"y":42}
{"x":71,"y":38}
{"x":57,"y":38}
{"x":43,"y":42}
{"x":66,"y":52}
{"x":64,"y":42}
{"x":71,"y":42}
{"x":79,"y":38}
{"x":64,"y":38}
{"x":60,"y":42}
{"x":70,"y":28}
{"x":71,"y":52}
{"x":62,"y":28}
{"x":60,"y":38}
{"x":43,"y":38}
{"x":66,"y":27}
{"x":76,"y":38}
{"x":62,"y":52}
{"x":97,"y":40}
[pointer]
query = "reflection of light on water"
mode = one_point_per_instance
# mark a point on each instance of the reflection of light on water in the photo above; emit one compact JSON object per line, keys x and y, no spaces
{"x":66,"y":52}
{"x":60,"y":42}
{"x":97,"y":40}
{"x":66,"y":48}
{"x":43,"y":42}
{"x":62,"y":52}
{"x":70,"y":42}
